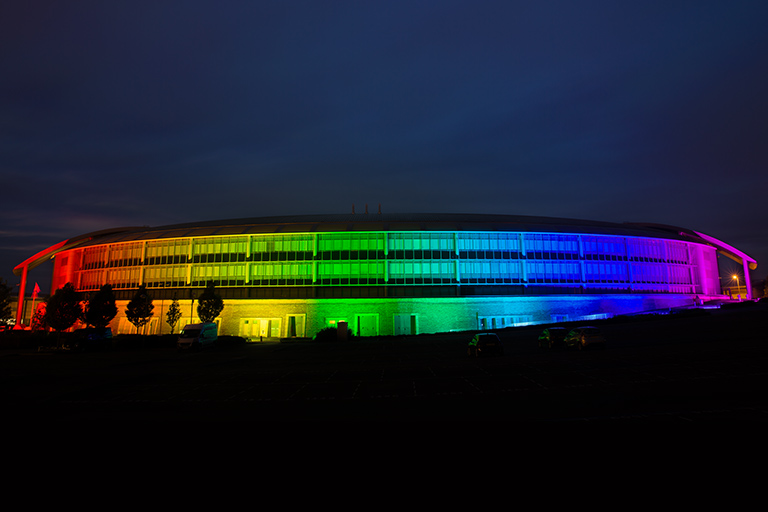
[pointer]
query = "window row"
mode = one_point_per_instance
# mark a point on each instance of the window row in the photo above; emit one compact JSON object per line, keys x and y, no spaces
{"x":115,"y":255}
{"x":385,"y":246}
{"x":305,"y":274}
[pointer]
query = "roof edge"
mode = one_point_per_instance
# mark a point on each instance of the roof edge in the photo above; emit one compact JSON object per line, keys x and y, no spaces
{"x":729,"y":250}
{"x":69,"y":243}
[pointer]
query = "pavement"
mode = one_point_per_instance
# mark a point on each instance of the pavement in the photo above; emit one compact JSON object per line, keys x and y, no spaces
{"x":699,"y":366}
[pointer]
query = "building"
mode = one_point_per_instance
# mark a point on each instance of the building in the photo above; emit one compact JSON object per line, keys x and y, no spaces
{"x":394,"y":274}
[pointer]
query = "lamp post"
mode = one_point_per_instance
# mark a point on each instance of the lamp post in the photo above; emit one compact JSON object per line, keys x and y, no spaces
{"x":738,"y":290}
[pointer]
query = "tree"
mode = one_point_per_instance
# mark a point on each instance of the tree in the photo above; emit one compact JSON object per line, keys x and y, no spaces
{"x":209,"y":304}
{"x":173,"y":315}
{"x":63,"y":309}
{"x":6,"y":315}
{"x":139,"y":309}
{"x":101,"y":308}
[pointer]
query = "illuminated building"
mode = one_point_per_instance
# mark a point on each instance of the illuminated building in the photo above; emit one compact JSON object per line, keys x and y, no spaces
{"x":392,"y":274}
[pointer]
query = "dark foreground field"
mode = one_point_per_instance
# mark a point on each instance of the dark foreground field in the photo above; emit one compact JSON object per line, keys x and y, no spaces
{"x":697,"y":366}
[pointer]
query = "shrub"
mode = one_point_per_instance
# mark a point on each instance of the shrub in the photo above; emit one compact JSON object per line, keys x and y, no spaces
{"x":327,"y":334}
{"x":330,"y":334}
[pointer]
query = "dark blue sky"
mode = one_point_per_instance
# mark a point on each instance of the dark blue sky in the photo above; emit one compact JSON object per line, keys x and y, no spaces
{"x":127,"y":113}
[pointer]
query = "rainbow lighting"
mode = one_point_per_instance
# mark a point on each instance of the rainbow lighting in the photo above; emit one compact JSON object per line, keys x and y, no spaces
{"x":394,"y":274}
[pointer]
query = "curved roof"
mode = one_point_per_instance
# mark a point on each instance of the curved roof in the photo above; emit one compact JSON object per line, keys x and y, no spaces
{"x":379,"y":222}
{"x":373,"y":222}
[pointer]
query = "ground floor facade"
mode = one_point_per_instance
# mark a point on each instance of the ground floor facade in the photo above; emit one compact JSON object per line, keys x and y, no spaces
{"x":275,"y":319}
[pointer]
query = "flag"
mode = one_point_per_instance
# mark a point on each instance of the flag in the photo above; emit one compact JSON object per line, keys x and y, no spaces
{"x":35,"y":291}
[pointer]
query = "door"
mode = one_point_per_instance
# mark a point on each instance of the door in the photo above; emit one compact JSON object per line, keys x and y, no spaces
{"x":367,"y":325}
{"x":295,"y":328}
{"x":405,"y":325}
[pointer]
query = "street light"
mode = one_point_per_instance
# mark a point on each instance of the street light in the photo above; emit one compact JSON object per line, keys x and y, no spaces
{"x":738,"y":290}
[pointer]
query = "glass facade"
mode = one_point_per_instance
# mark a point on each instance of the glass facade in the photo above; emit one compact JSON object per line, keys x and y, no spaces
{"x":539,"y":262}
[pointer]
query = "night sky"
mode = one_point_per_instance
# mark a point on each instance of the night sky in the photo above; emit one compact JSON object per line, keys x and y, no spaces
{"x":129,"y":113}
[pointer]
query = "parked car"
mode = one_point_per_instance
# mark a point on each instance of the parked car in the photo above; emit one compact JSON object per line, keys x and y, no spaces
{"x":552,"y":337}
{"x":196,"y":336}
{"x":485,"y":343}
{"x":584,"y":337}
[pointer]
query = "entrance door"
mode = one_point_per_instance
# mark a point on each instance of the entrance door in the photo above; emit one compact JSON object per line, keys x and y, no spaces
{"x":367,"y":325}
{"x":405,"y":325}
{"x":260,"y":328}
{"x":295,"y":327}
{"x":269,"y":327}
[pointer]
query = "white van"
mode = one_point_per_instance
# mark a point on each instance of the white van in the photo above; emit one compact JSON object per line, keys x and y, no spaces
{"x":197,"y":335}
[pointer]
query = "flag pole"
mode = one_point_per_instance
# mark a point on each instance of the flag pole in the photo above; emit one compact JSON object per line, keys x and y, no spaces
{"x":35,"y":291}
